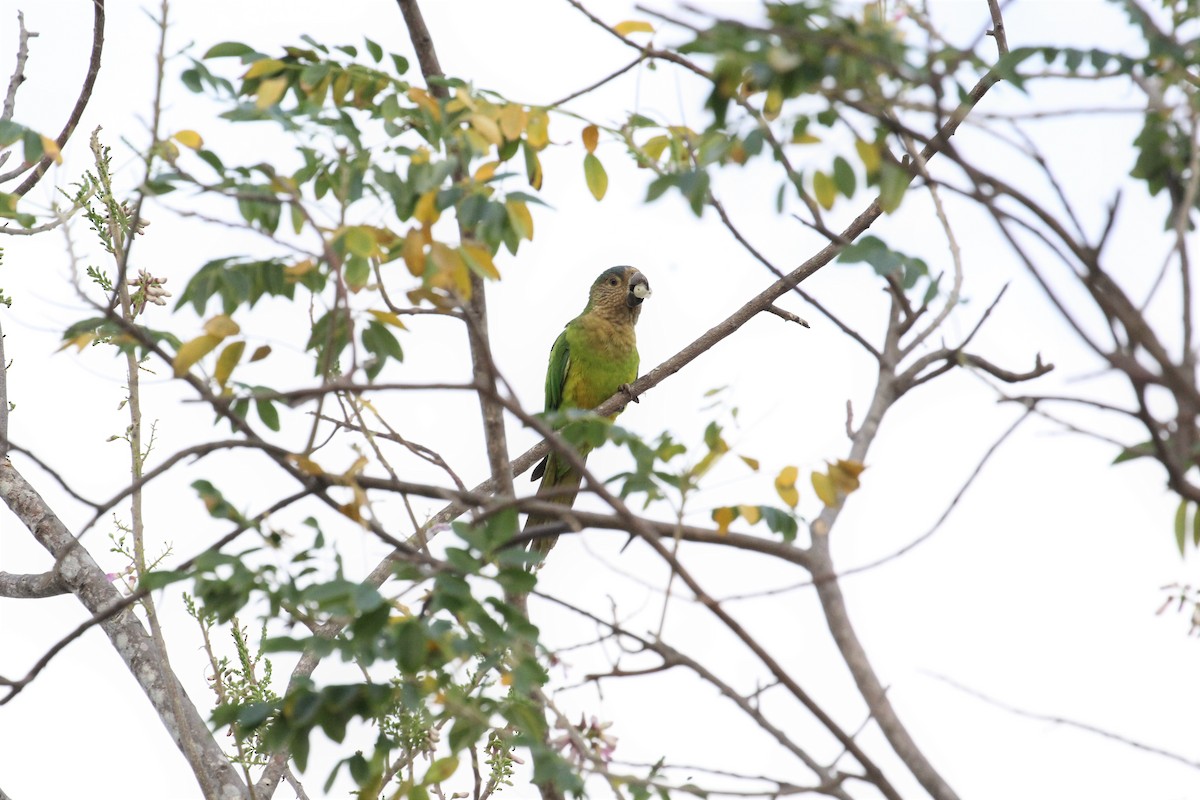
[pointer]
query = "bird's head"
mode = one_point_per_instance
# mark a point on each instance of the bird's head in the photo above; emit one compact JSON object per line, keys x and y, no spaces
{"x":620,"y":287}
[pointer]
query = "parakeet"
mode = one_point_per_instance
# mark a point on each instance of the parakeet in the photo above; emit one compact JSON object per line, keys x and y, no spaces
{"x":594,"y":356}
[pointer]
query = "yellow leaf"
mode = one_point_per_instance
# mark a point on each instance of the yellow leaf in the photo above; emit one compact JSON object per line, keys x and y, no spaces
{"x":596,"y":177}
{"x":654,"y":147}
{"x":426,"y":211}
{"x":354,"y":470}
{"x":50,"y":148}
{"x":260,"y":352}
{"x":824,"y":189}
{"x":264,"y":66}
{"x":823,"y":486}
{"x":79,"y":342}
{"x":773,"y":103}
{"x":806,"y":138}
{"x":388,"y":318}
{"x":513,"y":119}
{"x":422,"y":99}
{"x":295,"y":271}
{"x":306,"y":464}
{"x":414,"y":252}
{"x":487,"y":128}
{"x":486,"y":171}
{"x":785,"y":485}
{"x":591,"y":135}
{"x":752,"y":463}
{"x":221,"y":326}
{"x":480,"y":260}
{"x":270,"y":92}
{"x":519,"y":216}
{"x":752,"y":514}
{"x":351,"y":511}
{"x":189,"y":139}
{"x":450,"y":271}
{"x":869,"y":153}
{"x":723,"y":517}
{"x":844,"y":475}
{"x":537,"y":129}
{"x":506,"y":679}
{"x":633,"y":26}
{"x":191,"y":352}
{"x":228,"y":359}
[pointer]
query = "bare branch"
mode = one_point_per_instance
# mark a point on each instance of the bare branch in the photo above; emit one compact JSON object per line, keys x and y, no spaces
{"x":85,"y":94}
{"x":32,"y":587}
{"x":1069,"y":723}
{"x":18,"y":76}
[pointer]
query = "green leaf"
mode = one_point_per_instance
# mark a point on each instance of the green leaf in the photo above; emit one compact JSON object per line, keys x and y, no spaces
{"x":440,"y":770}
{"x":375,"y":50}
{"x":267,"y":413}
{"x":843,"y":176}
{"x":228,"y":50}
{"x":824,"y":189}
{"x":596,"y":177}
{"x":893,"y":182}
{"x":1181,"y":526}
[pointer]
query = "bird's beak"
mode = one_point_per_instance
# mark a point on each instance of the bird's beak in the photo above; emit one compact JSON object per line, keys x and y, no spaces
{"x":639,"y":289}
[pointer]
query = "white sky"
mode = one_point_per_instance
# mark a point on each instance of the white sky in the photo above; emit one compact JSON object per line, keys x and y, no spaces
{"x":1040,"y":590}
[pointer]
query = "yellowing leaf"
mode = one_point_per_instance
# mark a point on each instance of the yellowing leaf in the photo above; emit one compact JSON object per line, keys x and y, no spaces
{"x":50,"y":149}
{"x":487,"y":127}
{"x":486,"y":171}
{"x":270,"y":92}
{"x":260,"y":352}
{"x":723,"y":517}
{"x":426,"y":211}
{"x":422,"y":99}
{"x":264,"y":66}
{"x":513,"y":119}
{"x":450,"y":271}
{"x":221,"y":326}
{"x":79,"y":342}
{"x":824,"y":189}
{"x":191,"y":352}
{"x":633,"y":26}
{"x":869,"y":153}
{"x":479,"y":259}
{"x":752,"y":514}
{"x":388,"y":318}
{"x":823,"y":486}
{"x":537,"y":129}
{"x":189,"y":139}
{"x":414,"y":253}
{"x":295,"y":271}
{"x":596,"y":177}
{"x":844,"y":475}
{"x":591,"y":135}
{"x":654,"y":147}
{"x":773,"y":103}
{"x":785,"y":486}
{"x":228,"y":359}
{"x":519,"y":217}
{"x":306,"y":464}
{"x":752,"y":463}
{"x":360,"y":240}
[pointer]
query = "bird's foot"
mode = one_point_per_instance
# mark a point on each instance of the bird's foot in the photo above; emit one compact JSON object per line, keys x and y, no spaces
{"x":627,"y":390}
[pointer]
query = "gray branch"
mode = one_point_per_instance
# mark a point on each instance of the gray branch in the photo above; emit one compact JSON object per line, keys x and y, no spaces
{"x":80,"y":572}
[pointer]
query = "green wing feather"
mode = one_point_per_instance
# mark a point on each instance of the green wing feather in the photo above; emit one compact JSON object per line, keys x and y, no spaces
{"x":556,"y":379}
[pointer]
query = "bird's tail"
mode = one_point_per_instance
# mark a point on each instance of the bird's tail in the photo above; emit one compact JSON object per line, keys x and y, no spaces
{"x":560,"y":484}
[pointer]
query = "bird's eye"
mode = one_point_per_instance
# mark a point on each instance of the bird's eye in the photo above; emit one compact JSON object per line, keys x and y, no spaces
{"x":612,"y":281}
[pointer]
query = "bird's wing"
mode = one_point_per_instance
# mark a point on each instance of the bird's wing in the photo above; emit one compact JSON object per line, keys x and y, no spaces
{"x":556,"y":372}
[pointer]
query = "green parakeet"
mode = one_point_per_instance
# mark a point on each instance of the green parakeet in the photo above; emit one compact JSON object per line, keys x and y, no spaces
{"x":594,"y":356}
